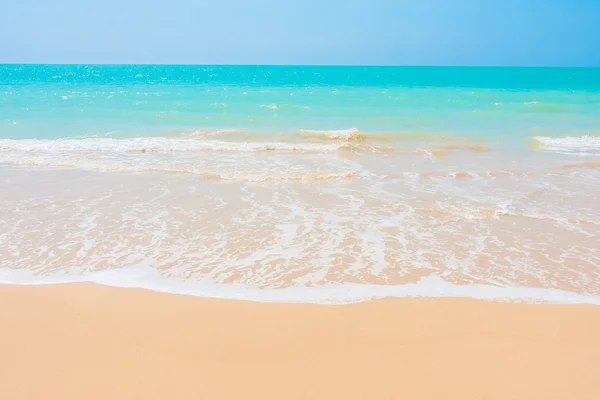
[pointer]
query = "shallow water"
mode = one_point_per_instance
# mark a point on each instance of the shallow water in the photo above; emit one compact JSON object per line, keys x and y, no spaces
{"x":316,"y":184}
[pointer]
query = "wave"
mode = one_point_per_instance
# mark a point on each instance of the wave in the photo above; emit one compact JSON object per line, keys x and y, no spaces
{"x":353,"y":135}
{"x":569,"y":143}
{"x":561,"y":133}
{"x":431,"y":286}
{"x":233,"y":161}
{"x":333,"y":136}
{"x":341,"y":134}
{"x":237,"y":134}
{"x":156,"y":144}
{"x":225,"y":173}
{"x":324,"y":135}
{"x":203,"y":133}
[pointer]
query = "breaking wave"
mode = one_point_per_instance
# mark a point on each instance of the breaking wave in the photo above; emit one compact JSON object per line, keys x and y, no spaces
{"x":219,"y":160}
{"x":431,"y":286}
{"x":570,"y":143}
{"x":341,"y":134}
{"x":155,"y":144}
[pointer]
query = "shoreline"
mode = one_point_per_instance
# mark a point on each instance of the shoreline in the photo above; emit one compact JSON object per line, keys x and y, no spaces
{"x":432,"y":286}
{"x":84,"y":340}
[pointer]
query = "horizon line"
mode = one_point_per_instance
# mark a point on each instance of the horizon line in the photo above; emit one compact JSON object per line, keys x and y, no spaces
{"x":304,"y":65}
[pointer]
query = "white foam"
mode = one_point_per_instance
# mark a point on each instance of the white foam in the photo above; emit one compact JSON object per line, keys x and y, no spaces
{"x":242,"y":166}
{"x":431,"y":286}
{"x":154,"y":144}
{"x":203,"y":133}
{"x":340,"y":134}
{"x":570,"y":143}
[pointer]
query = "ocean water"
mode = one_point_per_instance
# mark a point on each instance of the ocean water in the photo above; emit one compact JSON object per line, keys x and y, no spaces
{"x":303,"y":184}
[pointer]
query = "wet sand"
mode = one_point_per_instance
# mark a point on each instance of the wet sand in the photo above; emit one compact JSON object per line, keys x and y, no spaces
{"x":85,"y":341}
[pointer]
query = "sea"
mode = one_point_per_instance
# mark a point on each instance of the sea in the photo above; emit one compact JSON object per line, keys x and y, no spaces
{"x":311,"y":184}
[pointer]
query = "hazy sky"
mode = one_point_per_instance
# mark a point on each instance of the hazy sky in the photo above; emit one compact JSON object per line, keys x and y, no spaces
{"x":400,"y":32}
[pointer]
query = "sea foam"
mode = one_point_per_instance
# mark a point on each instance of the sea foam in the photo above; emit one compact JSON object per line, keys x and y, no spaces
{"x":339,"y":134}
{"x":430,"y":286}
{"x":155,"y":144}
{"x":570,"y":143}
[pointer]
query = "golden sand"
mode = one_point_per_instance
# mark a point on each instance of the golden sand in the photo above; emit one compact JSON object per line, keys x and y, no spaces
{"x":84,"y":341}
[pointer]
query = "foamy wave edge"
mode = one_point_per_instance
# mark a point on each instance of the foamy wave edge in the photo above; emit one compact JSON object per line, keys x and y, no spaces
{"x":331,"y":134}
{"x":339,"y":134}
{"x":157,"y":144}
{"x":431,"y":286}
{"x":571,"y":143}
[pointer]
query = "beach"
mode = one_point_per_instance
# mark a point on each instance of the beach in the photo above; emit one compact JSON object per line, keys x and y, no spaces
{"x":299,"y":232}
{"x":82,"y":340}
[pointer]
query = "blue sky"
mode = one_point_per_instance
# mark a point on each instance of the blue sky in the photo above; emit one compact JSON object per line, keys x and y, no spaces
{"x":360,"y":32}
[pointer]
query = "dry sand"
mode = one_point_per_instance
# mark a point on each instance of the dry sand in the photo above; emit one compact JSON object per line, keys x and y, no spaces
{"x":84,"y":341}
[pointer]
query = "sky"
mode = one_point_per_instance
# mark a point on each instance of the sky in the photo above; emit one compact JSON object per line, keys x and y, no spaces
{"x":355,"y":32}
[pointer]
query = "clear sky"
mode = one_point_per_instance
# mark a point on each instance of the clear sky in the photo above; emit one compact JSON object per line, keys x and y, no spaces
{"x":362,"y":32}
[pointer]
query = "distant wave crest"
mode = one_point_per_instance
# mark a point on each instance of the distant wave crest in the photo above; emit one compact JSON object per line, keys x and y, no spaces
{"x":221,"y":160}
{"x":570,"y":143}
{"x":339,"y":134}
{"x":157,"y":144}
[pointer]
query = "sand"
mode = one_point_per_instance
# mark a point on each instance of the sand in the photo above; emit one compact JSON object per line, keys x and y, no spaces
{"x":85,"y":341}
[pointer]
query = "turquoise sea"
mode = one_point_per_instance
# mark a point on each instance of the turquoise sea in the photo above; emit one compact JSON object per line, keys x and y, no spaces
{"x":58,"y":101}
{"x":303,"y":183}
